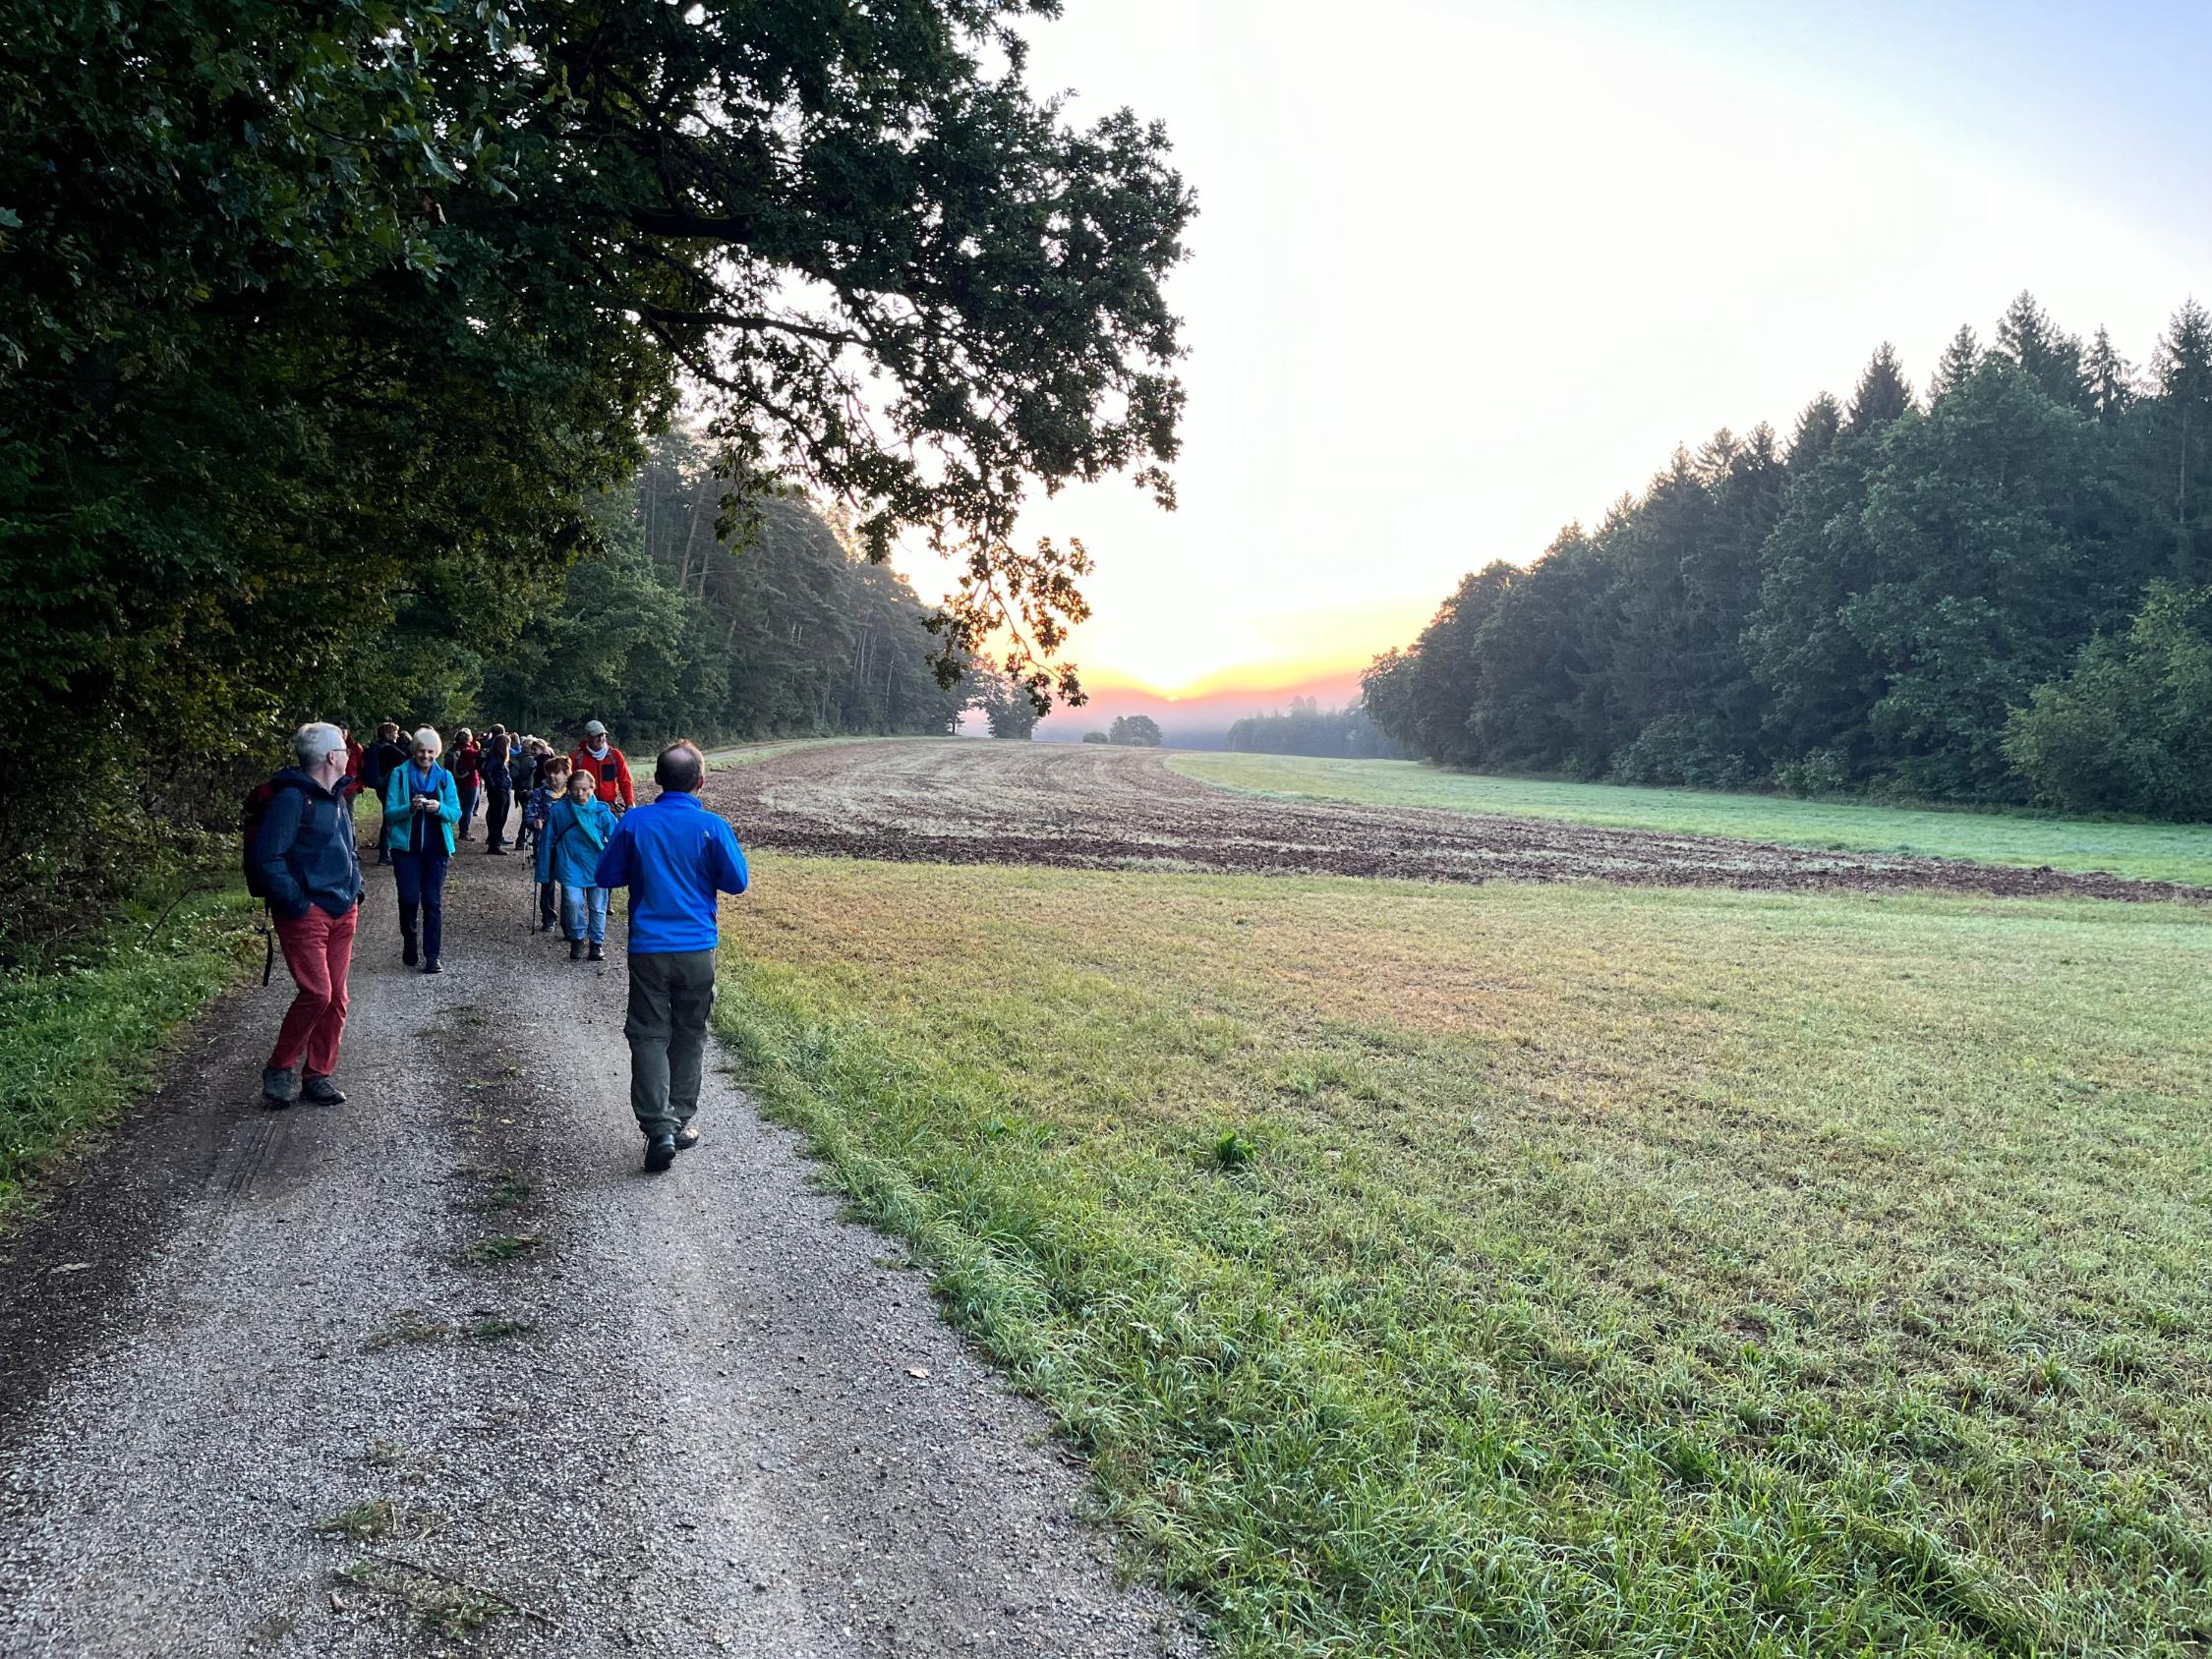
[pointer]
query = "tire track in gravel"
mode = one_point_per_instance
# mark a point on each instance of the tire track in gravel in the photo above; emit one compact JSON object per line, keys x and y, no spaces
{"x":1090,"y":807}
{"x":583,"y":1411}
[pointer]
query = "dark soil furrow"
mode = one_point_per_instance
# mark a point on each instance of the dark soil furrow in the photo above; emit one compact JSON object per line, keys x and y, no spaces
{"x":1092,"y":807}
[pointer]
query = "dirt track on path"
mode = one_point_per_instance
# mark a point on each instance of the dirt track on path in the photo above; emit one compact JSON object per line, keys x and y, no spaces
{"x":691,"y":1414}
{"x":1090,"y":806}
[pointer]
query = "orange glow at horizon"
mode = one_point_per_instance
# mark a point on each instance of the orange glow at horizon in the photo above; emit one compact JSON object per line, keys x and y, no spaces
{"x":1182,"y":657}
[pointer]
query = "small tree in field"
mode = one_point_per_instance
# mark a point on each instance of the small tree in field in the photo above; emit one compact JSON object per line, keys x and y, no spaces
{"x":1096,"y":737}
{"x":1134,"y":732}
{"x":1006,"y":705}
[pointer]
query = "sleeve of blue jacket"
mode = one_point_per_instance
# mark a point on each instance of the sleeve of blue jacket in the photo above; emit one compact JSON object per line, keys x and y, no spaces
{"x":614,"y":860}
{"x":730,"y":859}
{"x":279,"y":827}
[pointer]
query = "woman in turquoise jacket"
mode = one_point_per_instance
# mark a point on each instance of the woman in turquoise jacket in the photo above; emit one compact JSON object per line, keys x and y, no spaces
{"x":422,"y":805}
{"x":576,"y":833}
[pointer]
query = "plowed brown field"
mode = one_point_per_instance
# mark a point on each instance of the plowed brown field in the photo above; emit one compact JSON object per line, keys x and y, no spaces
{"x":977,"y":802}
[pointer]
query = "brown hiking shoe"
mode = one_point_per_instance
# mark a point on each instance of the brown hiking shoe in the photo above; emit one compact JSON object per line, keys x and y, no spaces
{"x":686,"y":1139}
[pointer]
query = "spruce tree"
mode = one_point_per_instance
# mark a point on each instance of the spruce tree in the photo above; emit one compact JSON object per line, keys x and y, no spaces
{"x":2178,"y":436}
{"x":1883,"y":395}
{"x":1956,"y":366}
{"x":2049,"y":357}
{"x":1816,"y":427}
{"x":1996,"y":544}
{"x":2109,"y":379}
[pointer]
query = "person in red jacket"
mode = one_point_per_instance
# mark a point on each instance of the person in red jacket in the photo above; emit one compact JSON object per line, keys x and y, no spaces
{"x":608,"y":765}
{"x":354,"y":755}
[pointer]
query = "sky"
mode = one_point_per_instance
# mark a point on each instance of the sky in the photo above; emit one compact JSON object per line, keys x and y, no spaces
{"x":1464,"y":272}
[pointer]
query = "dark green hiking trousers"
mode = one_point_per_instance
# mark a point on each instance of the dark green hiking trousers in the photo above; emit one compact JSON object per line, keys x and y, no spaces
{"x":670,"y":997}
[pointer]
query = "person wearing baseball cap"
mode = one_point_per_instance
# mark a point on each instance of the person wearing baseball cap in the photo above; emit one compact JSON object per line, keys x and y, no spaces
{"x":608,"y":768}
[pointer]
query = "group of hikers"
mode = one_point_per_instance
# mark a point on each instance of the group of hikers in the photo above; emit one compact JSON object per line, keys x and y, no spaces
{"x":579,"y":810}
{"x":569,"y":808}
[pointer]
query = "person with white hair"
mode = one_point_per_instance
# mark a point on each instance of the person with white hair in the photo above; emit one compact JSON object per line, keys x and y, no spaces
{"x":422,"y":805}
{"x":301,"y":858}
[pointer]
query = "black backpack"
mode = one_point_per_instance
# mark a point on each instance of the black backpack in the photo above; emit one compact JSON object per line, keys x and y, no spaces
{"x":258,"y":799}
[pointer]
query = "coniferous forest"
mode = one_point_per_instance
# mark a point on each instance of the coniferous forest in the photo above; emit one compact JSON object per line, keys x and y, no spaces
{"x":1997,"y":591}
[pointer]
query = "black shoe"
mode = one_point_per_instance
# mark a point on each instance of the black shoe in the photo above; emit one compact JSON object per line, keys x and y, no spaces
{"x":279,"y":1088}
{"x":320,"y":1091}
{"x":659,"y":1153}
{"x":432,"y":968}
{"x":686,"y":1139}
{"x":497,"y":852}
{"x":575,"y":951}
{"x":407,"y":949}
{"x":597,"y":951}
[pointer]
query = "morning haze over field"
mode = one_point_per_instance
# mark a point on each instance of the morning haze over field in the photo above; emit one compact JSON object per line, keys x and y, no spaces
{"x":1465,"y":272}
{"x":1593,"y":1046}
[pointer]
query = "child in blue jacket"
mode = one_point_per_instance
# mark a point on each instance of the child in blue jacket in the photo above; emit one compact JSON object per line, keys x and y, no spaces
{"x":577,"y":830}
{"x":552,"y":784}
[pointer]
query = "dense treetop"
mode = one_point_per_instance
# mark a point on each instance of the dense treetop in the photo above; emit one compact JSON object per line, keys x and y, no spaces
{"x":325,"y":333}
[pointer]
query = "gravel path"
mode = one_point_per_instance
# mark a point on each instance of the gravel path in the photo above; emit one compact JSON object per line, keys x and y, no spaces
{"x":1090,"y":806}
{"x":568,"y":1408}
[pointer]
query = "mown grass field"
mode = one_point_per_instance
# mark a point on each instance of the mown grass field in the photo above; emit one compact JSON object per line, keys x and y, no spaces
{"x":2166,"y":852}
{"x":1437,"y":1271}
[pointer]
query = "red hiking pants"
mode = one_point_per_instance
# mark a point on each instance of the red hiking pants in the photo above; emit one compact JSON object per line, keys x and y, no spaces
{"x":319,"y":950}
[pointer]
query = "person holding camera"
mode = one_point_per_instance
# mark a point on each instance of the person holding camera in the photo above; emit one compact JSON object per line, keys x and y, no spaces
{"x":422,"y":805}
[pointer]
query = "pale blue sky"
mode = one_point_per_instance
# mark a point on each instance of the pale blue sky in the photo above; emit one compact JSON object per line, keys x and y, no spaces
{"x":1465,"y":272}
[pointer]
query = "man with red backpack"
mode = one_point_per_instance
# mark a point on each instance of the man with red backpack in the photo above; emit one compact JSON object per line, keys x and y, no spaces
{"x":300,"y":857}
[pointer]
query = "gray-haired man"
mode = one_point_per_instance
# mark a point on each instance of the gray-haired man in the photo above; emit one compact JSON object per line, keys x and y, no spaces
{"x":302,"y":860}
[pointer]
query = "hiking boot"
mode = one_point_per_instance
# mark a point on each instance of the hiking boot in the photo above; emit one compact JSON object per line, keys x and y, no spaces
{"x":407,"y":949}
{"x":597,"y":951}
{"x":279,"y":1088}
{"x":320,"y":1091}
{"x":685,"y":1138}
{"x":432,"y":967}
{"x":659,"y":1153}
{"x":575,"y":951}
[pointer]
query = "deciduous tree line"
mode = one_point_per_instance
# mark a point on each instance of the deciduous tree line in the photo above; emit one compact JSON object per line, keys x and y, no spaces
{"x":1307,"y":728}
{"x":327,"y":332}
{"x":2001,"y":592}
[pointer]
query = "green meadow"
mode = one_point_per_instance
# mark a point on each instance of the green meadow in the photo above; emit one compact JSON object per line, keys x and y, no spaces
{"x":2164,"y":852}
{"x":1432,"y":1270}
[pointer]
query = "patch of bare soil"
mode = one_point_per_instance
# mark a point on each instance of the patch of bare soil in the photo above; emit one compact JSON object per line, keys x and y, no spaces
{"x":932,"y":801}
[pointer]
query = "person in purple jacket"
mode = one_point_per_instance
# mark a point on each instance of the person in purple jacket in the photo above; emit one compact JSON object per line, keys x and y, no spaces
{"x":674,"y":856}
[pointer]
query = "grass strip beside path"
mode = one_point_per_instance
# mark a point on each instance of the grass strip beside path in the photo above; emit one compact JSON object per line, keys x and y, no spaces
{"x":1556,"y":1270}
{"x":77,"y":1041}
{"x":2164,"y":852}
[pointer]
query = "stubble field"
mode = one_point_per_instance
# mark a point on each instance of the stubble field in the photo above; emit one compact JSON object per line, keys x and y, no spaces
{"x":1090,"y":807}
{"x":1619,"y":1265}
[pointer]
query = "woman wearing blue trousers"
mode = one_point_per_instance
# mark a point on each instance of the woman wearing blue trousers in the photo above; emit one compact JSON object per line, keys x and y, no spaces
{"x":579,"y":829}
{"x":422,"y":804}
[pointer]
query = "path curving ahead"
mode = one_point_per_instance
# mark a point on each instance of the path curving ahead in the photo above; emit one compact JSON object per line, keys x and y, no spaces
{"x":600,"y":1413}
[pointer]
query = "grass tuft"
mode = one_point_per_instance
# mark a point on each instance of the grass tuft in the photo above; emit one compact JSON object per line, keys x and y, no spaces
{"x":507,"y":1249}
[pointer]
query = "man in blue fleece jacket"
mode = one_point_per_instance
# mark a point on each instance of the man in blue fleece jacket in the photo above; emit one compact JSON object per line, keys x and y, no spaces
{"x":674,"y":856}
